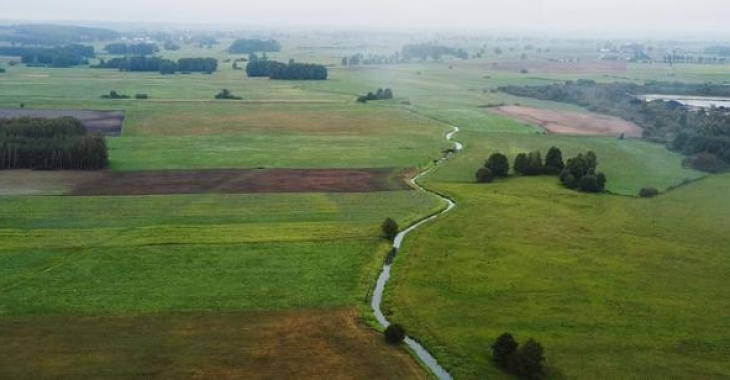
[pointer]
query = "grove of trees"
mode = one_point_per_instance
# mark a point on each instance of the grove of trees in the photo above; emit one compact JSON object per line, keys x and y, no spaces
{"x":380,"y":94}
{"x":122,"y":48}
{"x":426,"y":51}
{"x":163,"y":65}
{"x":38,"y":143}
{"x":250,"y":46}
{"x":58,"y":57}
{"x":283,"y":71}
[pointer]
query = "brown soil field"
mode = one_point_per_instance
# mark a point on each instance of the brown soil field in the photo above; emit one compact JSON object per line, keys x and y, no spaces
{"x":107,"y":123}
{"x":255,"y":345}
{"x":222,"y":181}
{"x":580,"y":67}
{"x":571,"y":123}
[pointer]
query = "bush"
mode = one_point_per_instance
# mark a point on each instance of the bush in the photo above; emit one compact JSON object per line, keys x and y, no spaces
{"x":648,"y":192}
{"x":141,"y":96}
{"x":389,"y":228}
{"x":394,"y":333}
{"x":2,"y":70}
{"x":226,"y":94}
{"x":528,"y":360}
{"x":114,"y":95}
{"x":484,"y":175}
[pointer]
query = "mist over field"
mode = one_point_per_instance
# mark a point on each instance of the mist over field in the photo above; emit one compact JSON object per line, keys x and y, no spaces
{"x":703,"y":17}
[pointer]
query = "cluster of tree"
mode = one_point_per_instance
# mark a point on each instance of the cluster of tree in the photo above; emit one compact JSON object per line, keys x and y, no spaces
{"x":37,"y":143}
{"x":683,"y":129}
{"x":435,"y":52}
{"x":718,"y":50}
{"x":62,"y":56}
{"x":524,"y":361}
{"x":290,"y":71}
{"x":121,"y":48}
{"x":371,"y":59}
{"x":164,"y":66}
{"x":113,"y":94}
{"x":700,"y":60}
{"x":52,"y":35}
{"x":497,"y":165}
{"x":531,"y":164}
{"x":580,"y":174}
{"x":226,"y":94}
{"x":377,"y":95}
{"x":170,"y":46}
{"x":249,"y":46}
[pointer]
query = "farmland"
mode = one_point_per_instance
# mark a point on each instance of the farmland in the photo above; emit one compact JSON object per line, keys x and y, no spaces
{"x":241,"y":238}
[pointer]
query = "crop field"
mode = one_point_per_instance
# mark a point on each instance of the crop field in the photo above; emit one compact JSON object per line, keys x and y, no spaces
{"x":241,"y":238}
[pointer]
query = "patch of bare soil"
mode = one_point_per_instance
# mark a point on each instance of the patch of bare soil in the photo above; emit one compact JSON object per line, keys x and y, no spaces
{"x":107,"y":123}
{"x":235,"y":181}
{"x":571,"y":123}
{"x":250,"y":345}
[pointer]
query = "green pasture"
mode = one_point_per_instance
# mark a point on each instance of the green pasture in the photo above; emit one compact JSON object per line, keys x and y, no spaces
{"x":613,"y":287}
{"x":186,"y":253}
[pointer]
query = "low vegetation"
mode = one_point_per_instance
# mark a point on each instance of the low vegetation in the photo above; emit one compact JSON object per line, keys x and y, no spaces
{"x":121,"y":48}
{"x":226,"y":94}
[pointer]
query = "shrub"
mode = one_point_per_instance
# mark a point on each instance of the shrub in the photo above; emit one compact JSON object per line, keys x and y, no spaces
{"x":114,"y":95}
{"x":226,"y":94}
{"x":389,"y":228}
{"x":528,"y":360}
{"x":394,"y":333}
{"x":648,"y":192}
{"x":2,"y":70}
{"x":141,"y":96}
{"x":484,"y":175}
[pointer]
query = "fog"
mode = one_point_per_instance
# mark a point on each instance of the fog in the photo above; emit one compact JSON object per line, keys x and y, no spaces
{"x":698,"y":16}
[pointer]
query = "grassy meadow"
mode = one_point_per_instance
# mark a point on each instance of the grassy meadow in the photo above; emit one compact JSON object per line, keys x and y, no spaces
{"x":277,"y":285}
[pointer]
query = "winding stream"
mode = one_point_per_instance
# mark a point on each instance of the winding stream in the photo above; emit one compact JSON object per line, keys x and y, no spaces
{"x":377,"y":299}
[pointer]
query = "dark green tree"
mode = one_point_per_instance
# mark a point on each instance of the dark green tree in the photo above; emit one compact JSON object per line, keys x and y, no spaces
{"x":520,"y":165}
{"x":503,"y":348}
{"x":554,"y":161}
{"x":534,"y":164}
{"x":389,"y":228}
{"x":484,"y":175}
{"x":498,"y":164}
{"x":529,"y":360}
{"x":394,"y":333}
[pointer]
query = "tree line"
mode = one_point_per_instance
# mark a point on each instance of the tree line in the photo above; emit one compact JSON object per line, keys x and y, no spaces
{"x":38,"y":143}
{"x":692,"y":132}
{"x":163,"y":65}
{"x":283,"y":71}
{"x":578,"y":173}
{"x":122,"y":48}
{"x":435,"y":52}
{"x":58,"y":57}
{"x":51,"y":34}
{"x":251,"y":46}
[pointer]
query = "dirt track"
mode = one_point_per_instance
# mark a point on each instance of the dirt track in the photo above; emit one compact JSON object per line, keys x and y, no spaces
{"x":107,"y":123}
{"x":571,"y":123}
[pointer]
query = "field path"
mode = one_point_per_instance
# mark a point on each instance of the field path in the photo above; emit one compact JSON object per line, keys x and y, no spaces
{"x":377,"y":298}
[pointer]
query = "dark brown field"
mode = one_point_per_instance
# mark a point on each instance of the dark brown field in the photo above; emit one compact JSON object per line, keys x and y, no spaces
{"x":221,"y":181}
{"x":256,"y":345}
{"x":107,"y":123}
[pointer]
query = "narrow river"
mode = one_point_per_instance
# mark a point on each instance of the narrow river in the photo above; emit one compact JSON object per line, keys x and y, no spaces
{"x":377,"y":299}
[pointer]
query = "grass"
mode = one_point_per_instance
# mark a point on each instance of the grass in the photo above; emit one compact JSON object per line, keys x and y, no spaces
{"x":629,"y":164}
{"x":592,"y":277}
{"x":258,"y":345}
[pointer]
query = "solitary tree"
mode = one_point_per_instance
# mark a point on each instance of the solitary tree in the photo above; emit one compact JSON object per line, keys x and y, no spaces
{"x":390,"y":228}
{"x":498,"y":164}
{"x":394,"y":333}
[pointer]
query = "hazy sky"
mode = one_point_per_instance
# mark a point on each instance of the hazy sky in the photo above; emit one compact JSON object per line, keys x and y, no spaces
{"x":651,"y":15}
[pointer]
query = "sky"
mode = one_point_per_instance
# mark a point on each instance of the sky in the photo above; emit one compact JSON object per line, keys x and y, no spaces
{"x":697,"y":16}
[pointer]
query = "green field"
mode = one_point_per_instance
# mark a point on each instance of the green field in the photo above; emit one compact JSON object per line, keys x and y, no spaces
{"x":277,"y":285}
